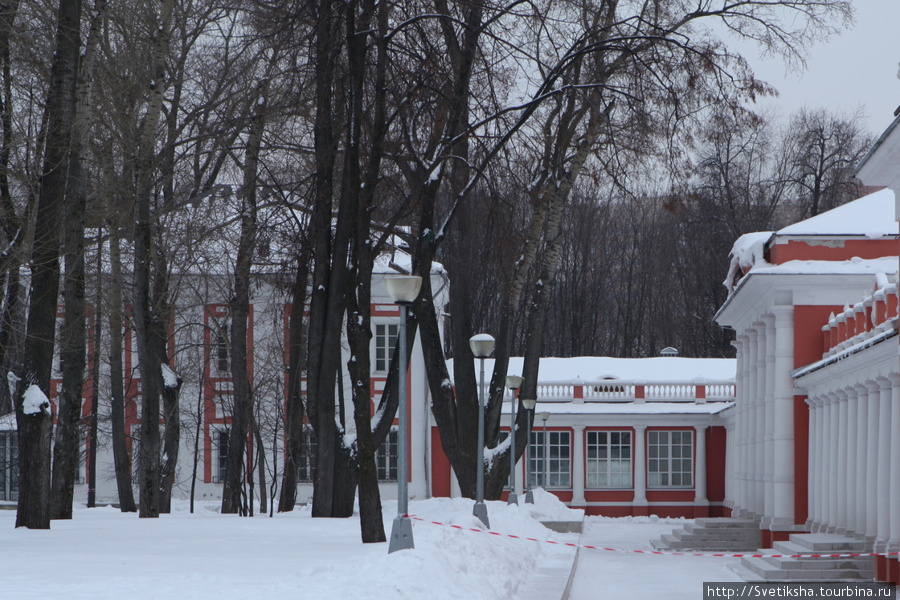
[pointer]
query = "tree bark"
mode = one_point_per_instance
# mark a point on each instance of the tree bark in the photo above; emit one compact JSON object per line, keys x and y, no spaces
{"x":242,"y":412}
{"x":12,"y":225}
{"x":73,"y":337}
{"x":34,"y":427}
{"x":145,"y":320}
{"x":293,"y":423}
{"x":121,"y":459}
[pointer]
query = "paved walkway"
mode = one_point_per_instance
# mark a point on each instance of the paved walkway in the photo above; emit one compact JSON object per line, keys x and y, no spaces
{"x":601,"y":575}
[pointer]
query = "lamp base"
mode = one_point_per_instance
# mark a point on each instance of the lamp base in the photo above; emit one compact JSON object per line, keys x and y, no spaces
{"x":512,"y":498}
{"x":401,"y":535}
{"x":480,"y":511}
{"x":529,"y":497}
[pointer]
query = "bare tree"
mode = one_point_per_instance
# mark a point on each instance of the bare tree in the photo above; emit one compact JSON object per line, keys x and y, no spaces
{"x":34,"y":423}
{"x":825,"y":148}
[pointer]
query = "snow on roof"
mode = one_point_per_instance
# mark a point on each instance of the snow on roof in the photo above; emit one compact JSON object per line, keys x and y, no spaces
{"x":888,"y":265}
{"x":657,"y":369}
{"x":396,"y":260}
{"x":748,"y":251}
{"x":871,"y":216}
{"x":630,"y":408}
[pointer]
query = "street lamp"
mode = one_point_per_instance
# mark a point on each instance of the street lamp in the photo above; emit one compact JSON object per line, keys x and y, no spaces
{"x":513,"y":382}
{"x":482,"y":346}
{"x":544,"y":416}
{"x":403,"y":290}
{"x":528,"y":404}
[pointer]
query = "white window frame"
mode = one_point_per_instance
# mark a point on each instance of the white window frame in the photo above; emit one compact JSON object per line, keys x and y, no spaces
{"x":559,"y":469}
{"x":9,"y":466}
{"x":218,"y":468}
{"x":606,"y":451}
{"x":219,"y":343}
{"x":308,"y":450}
{"x":670,"y":459}
{"x":383,"y":343}
{"x":386,"y":457}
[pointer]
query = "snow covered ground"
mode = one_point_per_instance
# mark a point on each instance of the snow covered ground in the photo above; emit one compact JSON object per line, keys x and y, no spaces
{"x":103,"y":554}
{"x":602,"y":575}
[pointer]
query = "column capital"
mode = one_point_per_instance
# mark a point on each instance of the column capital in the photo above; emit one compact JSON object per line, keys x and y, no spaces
{"x":869,"y":387}
{"x":885,"y":383}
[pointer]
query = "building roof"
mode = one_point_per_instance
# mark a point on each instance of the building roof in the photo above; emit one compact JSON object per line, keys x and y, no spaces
{"x":657,"y":369}
{"x":871,"y":216}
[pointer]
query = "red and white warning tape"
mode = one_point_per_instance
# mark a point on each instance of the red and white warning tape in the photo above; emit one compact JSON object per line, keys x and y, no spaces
{"x":661,"y":552}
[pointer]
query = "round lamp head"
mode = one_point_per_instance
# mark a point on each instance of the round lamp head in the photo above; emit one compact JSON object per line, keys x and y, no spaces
{"x":544,"y":415}
{"x":514,"y":382}
{"x":482,"y":345}
{"x":403,"y":289}
{"x":528,"y":403}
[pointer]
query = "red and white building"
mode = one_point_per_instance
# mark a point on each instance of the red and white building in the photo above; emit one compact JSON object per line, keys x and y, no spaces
{"x":814,"y":442}
{"x":623,"y":436}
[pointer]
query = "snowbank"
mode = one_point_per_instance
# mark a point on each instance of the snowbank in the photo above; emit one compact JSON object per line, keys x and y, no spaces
{"x":102,"y":554}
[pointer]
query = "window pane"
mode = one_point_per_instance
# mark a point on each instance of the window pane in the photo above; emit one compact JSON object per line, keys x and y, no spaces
{"x":609,"y":459}
{"x":677,"y":471}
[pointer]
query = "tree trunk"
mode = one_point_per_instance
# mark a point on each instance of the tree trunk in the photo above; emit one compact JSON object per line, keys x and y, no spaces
{"x":34,"y":426}
{"x":293,"y":424}
{"x":73,"y":339}
{"x":261,"y":466}
{"x":121,"y":459}
{"x":144,"y":318}
{"x":12,"y":226}
{"x":330,"y":271}
{"x":93,"y":437}
{"x":242,"y":412}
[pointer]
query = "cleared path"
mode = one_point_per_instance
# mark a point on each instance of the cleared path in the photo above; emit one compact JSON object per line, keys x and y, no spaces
{"x":602,"y":575}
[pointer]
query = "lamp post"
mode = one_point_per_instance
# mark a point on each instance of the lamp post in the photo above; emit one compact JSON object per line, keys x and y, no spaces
{"x":528,"y":404}
{"x":544,"y":416}
{"x":482,"y":346}
{"x":512,"y":382}
{"x":403,"y":290}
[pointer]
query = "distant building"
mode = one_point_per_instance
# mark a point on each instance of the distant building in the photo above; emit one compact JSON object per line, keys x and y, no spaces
{"x":623,"y":436}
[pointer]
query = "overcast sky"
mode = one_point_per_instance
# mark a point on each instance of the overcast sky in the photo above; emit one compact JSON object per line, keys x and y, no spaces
{"x":855,"y":70}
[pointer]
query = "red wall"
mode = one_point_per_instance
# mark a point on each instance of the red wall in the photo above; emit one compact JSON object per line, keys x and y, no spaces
{"x":863,"y":248}
{"x":808,"y":348}
{"x":715,"y":464}
{"x":440,"y":467}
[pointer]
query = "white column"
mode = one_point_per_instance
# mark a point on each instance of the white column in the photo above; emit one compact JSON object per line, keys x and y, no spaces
{"x":872,"y":397}
{"x":769,"y":376}
{"x":752,"y":432}
{"x":783,"y":434}
{"x":893,"y":544}
{"x":842,"y":458}
{"x":736,"y":469}
{"x":825,"y":442}
{"x":640,"y":466}
{"x":854,"y":499}
{"x":812,"y":465}
{"x":578,"y":457}
{"x":760,"y":483}
{"x":821,"y":472}
{"x":700,"y":497}
{"x":740,"y":429}
{"x":882,"y":489}
{"x":860,"y":455}
{"x":834,"y":462}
